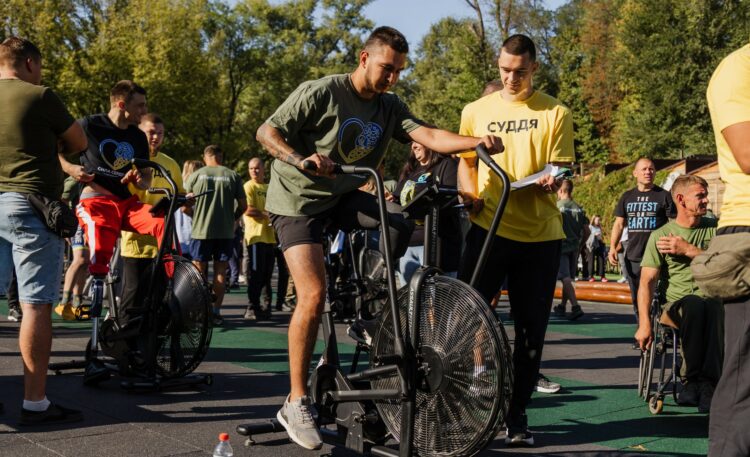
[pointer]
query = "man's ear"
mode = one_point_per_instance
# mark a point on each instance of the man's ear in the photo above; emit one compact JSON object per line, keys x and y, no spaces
{"x":363,"y":56}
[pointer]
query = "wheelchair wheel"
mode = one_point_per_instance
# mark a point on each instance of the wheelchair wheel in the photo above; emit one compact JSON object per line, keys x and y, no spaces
{"x":182,"y":328}
{"x":656,"y":404}
{"x":462,"y":401}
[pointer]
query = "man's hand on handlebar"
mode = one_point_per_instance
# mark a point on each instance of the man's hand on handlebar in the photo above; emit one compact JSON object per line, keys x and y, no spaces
{"x":323,"y":166}
{"x":133,"y":175}
{"x":493,"y":144}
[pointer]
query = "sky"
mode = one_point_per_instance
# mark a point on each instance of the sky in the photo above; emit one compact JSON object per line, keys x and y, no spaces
{"x":413,"y":18}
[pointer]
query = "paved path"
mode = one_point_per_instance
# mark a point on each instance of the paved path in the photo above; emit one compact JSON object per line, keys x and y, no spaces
{"x":596,"y":414}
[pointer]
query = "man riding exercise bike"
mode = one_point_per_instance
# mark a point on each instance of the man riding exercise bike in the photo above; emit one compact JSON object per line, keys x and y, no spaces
{"x":347,"y":119}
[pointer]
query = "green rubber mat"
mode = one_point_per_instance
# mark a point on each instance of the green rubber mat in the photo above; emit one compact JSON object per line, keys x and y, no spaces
{"x":616,"y":418}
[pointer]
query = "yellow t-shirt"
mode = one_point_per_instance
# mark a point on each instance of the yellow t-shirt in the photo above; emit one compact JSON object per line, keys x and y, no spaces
{"x":729,"y":103}
{"x":257,"y":231}
{"x":138,"y":246}
{"x":535,"y":132}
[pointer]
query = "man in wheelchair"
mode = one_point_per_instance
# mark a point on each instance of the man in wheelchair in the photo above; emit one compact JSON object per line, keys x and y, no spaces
{"x":669,"y":251}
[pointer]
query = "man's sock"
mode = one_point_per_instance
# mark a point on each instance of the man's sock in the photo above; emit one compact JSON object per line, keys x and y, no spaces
{"x":36,"y":406}
{"x":65,"y":297}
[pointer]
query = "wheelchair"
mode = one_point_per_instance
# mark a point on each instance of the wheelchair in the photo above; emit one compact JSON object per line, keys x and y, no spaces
{"x":168,"y":334}
{"x":666,"y":349}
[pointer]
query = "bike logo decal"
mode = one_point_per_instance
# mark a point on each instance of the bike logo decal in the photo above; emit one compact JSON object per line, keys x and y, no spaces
{"x":366,"y":138}
{"x":116,"y":155}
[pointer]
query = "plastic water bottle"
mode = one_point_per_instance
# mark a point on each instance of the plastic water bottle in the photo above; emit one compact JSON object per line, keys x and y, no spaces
{"x":223,"y":449}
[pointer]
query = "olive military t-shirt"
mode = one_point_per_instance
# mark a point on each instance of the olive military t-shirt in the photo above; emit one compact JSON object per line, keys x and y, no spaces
{"x":213,"y":214}
{"x":328,"y":117}
{"x":574,"y":220}
{"x":675,"y":269}
{"x":31,"y":119}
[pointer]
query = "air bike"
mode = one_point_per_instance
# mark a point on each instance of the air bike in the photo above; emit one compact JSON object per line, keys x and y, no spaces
{"x":440,"y":374}
{"x":165,"y":338}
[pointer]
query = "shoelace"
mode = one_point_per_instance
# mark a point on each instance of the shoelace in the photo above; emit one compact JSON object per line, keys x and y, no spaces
{"x":305,"y":414}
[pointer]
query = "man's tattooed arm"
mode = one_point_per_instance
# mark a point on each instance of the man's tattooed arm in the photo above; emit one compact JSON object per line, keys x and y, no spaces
{"x":274,"y":143}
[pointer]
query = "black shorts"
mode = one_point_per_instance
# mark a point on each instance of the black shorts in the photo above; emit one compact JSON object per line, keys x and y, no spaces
{"x":568,"y":265}
{"x":355,"y":210}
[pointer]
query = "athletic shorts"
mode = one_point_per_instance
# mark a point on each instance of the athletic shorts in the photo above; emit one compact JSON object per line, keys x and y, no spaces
{"x":294,"y":230}
{"x":568,"y":264}
{"x":78,"y":241}
{"x":355,"y":210}
{"x":219,"y":250}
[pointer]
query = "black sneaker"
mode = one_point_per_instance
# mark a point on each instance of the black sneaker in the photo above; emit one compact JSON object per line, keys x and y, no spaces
{"x":575,"y":313}
{"x":15,"y":315}
{"x":559,"y":310}
{"x":54,"y":414}
{"x":690,"y":394}
{"x":518,"y":434}
{"x":706,"y":392}
{"x":279,"y":306}
{"x":217,"y":320}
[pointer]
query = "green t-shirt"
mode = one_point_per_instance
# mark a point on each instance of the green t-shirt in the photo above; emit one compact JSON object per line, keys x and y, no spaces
{"x":328,"y":117}
{"x":213,"y":214}
{"x":31,"y":119}
{"x":574,"y":220}
{"x":71,"y":191}
{"x":677,"y":273}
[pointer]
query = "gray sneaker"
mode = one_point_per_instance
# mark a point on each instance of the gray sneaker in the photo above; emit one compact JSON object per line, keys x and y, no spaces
{"x":297,"y":419}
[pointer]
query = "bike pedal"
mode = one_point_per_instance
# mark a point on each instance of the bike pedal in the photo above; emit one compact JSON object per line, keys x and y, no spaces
{"x":83,"y":313}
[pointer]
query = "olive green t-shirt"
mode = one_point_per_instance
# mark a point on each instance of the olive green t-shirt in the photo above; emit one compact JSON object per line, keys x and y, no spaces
{"x":328,"y":117}
{"x":213,"y":214}
{"x":31,"y":119}
{"x":675,"y":270}
{"x":574,"y":220}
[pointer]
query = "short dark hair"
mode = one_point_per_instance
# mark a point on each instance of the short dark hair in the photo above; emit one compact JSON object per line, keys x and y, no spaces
{"x":567,"y":186}
{"x":15,"y":50}
{"x":152,"y":118}
{"x":124,"y":91}
{"x":388,"y":36}
{"x":519,"y":45}
{"x":213,"y":150}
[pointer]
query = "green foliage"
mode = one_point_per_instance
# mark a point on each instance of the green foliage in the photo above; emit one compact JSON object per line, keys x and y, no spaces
{"x":669,"y":52}
{"x":213,"y":71}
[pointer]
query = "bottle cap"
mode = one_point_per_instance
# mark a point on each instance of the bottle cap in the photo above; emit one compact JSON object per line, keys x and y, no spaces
{"x":224,"y":437}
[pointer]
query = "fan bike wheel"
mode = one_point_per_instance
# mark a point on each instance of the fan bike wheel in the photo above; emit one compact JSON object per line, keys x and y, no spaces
{"x":182,"y":327}
{"x":463,"y":399}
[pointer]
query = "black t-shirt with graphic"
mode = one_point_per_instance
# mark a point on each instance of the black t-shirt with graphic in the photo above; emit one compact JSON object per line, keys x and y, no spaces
{"x":449,"y":229}
{"x":110,"y":151}
{"x":643,"y":212}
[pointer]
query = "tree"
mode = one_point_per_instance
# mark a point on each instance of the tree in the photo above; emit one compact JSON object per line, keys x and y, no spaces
{"x":669,"y":52}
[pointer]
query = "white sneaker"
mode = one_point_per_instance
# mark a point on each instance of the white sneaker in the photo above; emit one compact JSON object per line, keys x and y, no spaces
{"x":297,"y":419}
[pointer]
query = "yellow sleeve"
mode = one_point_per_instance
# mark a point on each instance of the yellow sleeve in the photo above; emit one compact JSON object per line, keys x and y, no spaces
{"x":176,"y":173}
{"x":467,"y":128}
{"x":729,"y":90}
{"x":249,"y":194}
{"x":562,"y":141}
